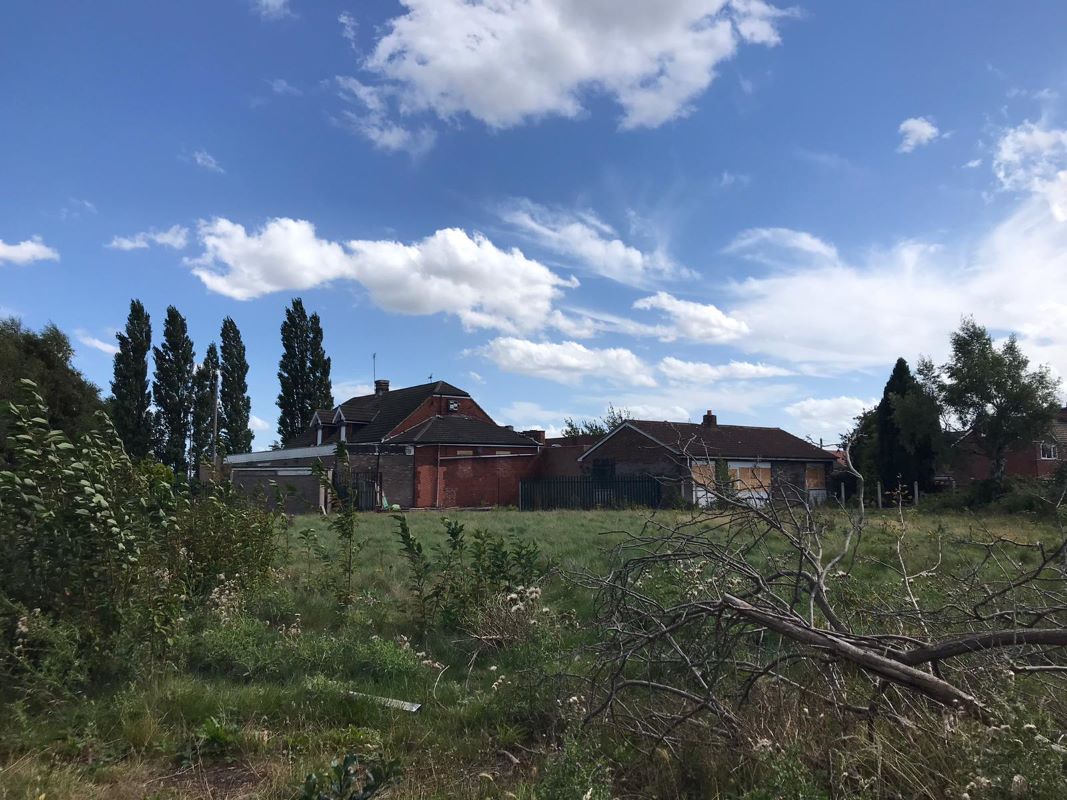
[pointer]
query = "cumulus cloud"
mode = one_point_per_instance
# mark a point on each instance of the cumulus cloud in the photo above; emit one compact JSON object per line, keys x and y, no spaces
{"x":202,"y":158}
{"x":829,"y":415}
{"x":176,"y":236}
{"x":696,"y":372}
{"x":27,"y":251}
{"x":696,"y":322}
{"x":587,"y":240}
{"x":343,"y":390}
{"x":89,"y":340}
{"x":916,"y":132}
{"x":272,"y":9}
{"x":505,"y":62}
{"x":450,"y":272}
{"x":567,"y":362}
{"x":1033,"y":158}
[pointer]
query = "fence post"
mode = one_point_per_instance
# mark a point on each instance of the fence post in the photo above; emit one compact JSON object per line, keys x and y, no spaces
{"x":915,"y":494}
{"x":879,"y":494}
{"x":842,"y":492}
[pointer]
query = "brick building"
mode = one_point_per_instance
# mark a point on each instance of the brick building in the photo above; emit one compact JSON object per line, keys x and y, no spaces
{"x":762,"y":462}
{"x":1039,"y":458}
{"x":427,"y":446}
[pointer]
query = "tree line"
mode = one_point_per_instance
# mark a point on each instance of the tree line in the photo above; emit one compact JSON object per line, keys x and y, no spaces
{"x":176,"y":410}
{"x":984,"y":399}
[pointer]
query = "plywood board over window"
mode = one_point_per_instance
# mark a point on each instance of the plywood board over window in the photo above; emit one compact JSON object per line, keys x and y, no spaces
{"x":815,"y":476}
{"x":751,"y":478}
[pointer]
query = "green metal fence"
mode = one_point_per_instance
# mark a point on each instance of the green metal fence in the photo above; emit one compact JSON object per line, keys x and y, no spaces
{"x":542,"y":494}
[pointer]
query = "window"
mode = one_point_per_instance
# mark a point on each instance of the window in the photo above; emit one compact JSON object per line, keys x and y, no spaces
{"x":453,"y":405}
{"x":1049,"y":451}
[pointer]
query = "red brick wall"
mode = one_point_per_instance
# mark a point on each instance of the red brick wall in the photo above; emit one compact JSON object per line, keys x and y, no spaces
{"x":482,"y":479}
{"x":438,"y":406}
{"x":1024,"y":461}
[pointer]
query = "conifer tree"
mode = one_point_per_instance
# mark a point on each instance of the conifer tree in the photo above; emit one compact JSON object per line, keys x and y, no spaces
{"x":303,"y":372}
{"x":235,"y":413}
{"x":131,"y":399}
{"x":908,"y":431}
{"x":203,"y":443}
{"x":172,"y":389}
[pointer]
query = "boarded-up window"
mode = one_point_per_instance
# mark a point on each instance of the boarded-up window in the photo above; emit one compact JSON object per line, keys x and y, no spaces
{"x":464,"y":452}
{"x":751,"y":478}
{"x":704,"y":475}
{"x":815,"y":476}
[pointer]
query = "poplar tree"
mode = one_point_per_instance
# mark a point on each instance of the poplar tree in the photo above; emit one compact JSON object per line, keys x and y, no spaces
{"x":235,"y":412}
{"x":303,"y":372}
{"x":172,"y":389}
{"x":131,"y":399}
{"x":203,"y":444}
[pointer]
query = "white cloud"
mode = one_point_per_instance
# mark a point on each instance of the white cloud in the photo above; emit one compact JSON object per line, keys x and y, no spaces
{"x":202,"y":158}
{"x":567,"y":362}
{"x":697,"y":322}
{"x":830,"y":415}
{"x":907,"y":299}
{"x":344,"y":390}
{"x":974,"y":163}
{"x":1033,"y":158}
{"x":450,"y":272}
{"x":696,"y":372}
{"x":89,"y":340}
{"x":258,"y":424}
{"x":728,"y":179}
{"x":474,"y":376}
{"x":272,"y":9}
{"x":916,"y":132}
{"x":505,"y":62}
{"x":349,"y":26}
{"x":591,"y":242}
{"x":75,"y":208}
{"x":525,"y":415}
{"x":176,"y":236}
{"x":27,"y":251}
{"x":372,"y":120}
{"x":780,"y":246}
{"x":283,"y":87}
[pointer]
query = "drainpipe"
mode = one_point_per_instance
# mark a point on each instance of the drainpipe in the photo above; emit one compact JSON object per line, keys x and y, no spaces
{"x":437,"y":481}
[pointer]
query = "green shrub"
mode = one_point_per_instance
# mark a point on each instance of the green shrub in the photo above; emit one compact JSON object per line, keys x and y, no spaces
{"x":353,"y":777}
{"x":465,"y":572}
{"x":108,"y":550}
{"x":575,"y":771}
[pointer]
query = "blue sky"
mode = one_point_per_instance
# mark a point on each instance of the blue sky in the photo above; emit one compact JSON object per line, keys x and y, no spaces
{"x":555,"y":204}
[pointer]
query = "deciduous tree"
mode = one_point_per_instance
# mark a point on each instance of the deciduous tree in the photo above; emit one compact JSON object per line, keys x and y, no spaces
{"x":992,"y":394}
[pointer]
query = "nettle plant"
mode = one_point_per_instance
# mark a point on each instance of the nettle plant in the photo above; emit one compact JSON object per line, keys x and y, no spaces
{"x":344,"y":518}
{"x":464,"y":572}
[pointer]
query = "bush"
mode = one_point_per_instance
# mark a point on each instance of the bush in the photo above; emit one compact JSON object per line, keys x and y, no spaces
{"x":102,"y":548}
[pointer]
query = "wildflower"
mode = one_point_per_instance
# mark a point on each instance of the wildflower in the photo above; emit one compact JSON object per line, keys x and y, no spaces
{"x":1019,"y":786}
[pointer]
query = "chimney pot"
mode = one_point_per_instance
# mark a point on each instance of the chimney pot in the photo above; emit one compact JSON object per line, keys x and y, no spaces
{"x":710,"y":420}
{"x":381,"y":386}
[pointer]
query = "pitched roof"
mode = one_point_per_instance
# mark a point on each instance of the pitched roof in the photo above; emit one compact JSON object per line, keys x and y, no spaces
{"x":727,"y":441}
{"x":380,"y":414}
{"x":458,"y":429}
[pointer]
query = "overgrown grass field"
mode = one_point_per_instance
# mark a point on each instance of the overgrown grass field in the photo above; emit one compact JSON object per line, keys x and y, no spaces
{"x":261,"y":691}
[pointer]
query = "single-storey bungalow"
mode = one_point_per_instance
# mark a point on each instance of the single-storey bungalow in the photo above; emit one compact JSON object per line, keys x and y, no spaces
{"x":427,"y":446}
{"x":761,"y":462}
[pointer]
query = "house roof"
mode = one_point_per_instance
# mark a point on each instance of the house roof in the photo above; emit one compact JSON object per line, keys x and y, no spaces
{"x":380,"y":413}
{"x":458,"y":429}
{"x":724,"y":441}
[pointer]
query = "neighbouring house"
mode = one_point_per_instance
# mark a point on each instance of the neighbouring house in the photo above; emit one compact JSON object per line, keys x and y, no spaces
{"x":1039,"y":458}
{"x":685,"y":456}
{"x":427,"y":446}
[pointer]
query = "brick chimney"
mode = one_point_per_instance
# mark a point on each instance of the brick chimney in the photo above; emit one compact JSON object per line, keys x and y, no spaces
{"x":535,"y":434}
{"x":710,"y":420}
{"x":381,"y":386}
